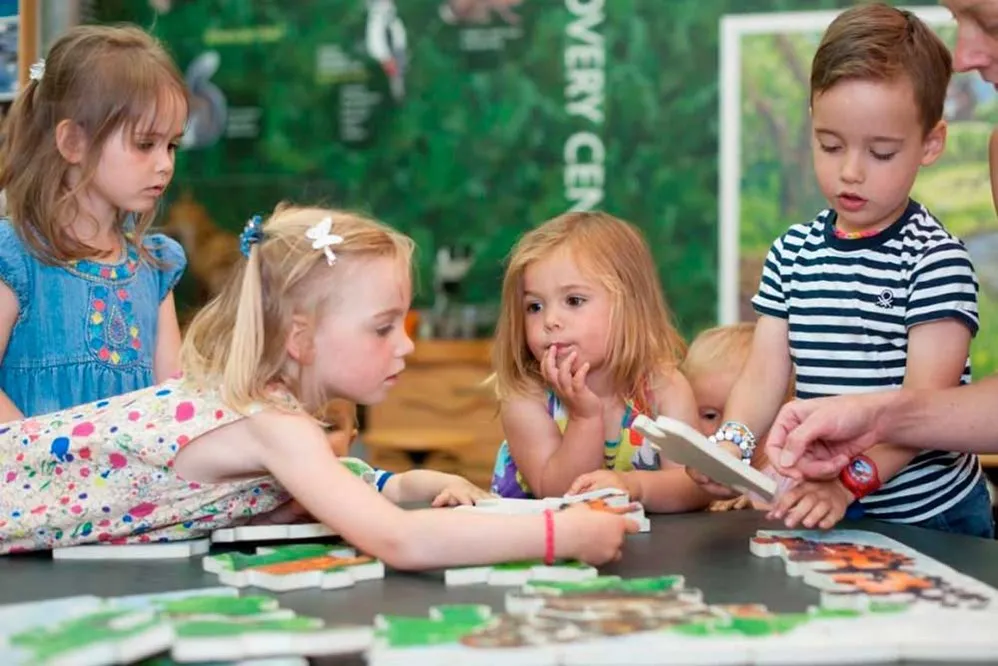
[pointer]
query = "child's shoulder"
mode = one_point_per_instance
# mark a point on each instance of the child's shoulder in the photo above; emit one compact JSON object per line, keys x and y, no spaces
{"x":923,"y":230}
{"x":798,"y":234}
{"x":164,"y":248}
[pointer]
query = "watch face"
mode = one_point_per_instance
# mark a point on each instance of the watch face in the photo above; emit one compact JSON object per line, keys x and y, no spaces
{"x":861,"y":470}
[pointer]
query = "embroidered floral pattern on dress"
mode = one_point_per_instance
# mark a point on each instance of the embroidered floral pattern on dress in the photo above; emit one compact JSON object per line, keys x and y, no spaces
{"x":112,"y":334}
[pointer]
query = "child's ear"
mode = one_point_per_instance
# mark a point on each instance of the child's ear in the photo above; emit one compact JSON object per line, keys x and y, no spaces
{"x":934,"y":143}
{"x":71,"y":141}
{"x":300,"y":346}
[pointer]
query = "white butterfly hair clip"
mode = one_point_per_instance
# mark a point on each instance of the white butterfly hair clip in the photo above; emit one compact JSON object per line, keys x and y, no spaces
{"x":323,"y":239}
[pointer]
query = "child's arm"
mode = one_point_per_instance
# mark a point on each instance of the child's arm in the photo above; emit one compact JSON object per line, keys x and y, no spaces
{"x":166,"y":363}
{"x":549,"y":460}
{"x":293,"y":449}
{"x":9,"y":312}
{"x":670,"y":489}
{"x":761,"y":386}
{"x":427,"y":485}
{"x":937,"y":354}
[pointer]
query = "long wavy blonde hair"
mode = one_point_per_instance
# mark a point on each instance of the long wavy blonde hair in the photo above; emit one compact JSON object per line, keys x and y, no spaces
{"x":239,"y":338}
{"x":642,"y":339}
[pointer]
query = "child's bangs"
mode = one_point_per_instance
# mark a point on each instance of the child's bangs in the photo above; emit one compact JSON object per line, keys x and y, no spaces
{"x":152,"y":98}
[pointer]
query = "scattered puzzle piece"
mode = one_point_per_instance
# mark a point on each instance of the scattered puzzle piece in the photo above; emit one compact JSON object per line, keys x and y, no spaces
{"x":519,"y":573}
{"x":272,"y":533}
{"x":99,"y":637}
{"x":854,"y":568}
{"x":139,"y":551}
{"x":283,"y":568}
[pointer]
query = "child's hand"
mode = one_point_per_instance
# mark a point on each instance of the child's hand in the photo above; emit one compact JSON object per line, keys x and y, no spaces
{"x":813,"y":504}
{"x":594,"y":537}
{"x":605,"y":478}
{"x":707,"y":484}
{"x":569,"y":384}
{"x":736,"y":504}
{"x":460,"y":491}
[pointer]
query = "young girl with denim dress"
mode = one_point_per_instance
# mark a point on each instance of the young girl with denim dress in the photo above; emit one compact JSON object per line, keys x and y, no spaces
{"x":316,"y":312}
{"x":86,"y":302}
{"x":583,"y":345}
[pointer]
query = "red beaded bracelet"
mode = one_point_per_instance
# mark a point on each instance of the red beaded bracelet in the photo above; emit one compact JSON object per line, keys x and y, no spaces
{"x":548,"y":537}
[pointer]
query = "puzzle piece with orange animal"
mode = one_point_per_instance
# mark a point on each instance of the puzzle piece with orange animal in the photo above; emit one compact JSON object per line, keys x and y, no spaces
{"x":854,"y":569}
{"x":295,"y":567}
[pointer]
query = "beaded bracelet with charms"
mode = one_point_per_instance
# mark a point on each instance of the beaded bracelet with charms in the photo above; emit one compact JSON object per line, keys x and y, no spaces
{"x":739,"y":435}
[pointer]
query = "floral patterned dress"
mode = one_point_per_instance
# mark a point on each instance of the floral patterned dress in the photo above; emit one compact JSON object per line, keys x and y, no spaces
{"x":103,"y":473}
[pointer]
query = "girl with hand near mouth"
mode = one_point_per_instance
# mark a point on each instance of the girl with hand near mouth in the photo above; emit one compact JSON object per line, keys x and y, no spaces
{"x":583,"y":345}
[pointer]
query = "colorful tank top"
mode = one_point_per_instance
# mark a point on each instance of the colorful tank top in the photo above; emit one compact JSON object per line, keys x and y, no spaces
{"x":103,"y":473}
{"x":629,"y":452}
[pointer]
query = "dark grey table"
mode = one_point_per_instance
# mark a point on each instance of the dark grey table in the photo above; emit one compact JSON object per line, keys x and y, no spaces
{"x":710,"y":550}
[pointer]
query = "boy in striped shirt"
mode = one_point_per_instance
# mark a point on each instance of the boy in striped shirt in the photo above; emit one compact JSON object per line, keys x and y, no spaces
{"x":873,"y":293}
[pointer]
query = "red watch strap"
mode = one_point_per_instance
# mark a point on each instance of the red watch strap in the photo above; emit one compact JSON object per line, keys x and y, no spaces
{"x":860,"y":476}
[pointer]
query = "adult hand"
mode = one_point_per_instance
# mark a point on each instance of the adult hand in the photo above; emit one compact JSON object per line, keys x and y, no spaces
{"x":814,"y":439}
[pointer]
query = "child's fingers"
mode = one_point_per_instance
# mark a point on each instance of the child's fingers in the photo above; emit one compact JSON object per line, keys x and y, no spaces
{"x":631,"y":527}
{"x":784,"y":502}
{"x":829,"y":521}
{"x":579,"y":378}
{"x":798,"y":512}
{"x":580,"y":485}
{"x":817,"y":514}
{"x":565,"y":372}
{"x":445,"y":498}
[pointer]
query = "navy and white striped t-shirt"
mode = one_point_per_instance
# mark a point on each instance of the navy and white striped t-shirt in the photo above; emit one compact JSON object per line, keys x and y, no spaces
{"x":849,"y":304}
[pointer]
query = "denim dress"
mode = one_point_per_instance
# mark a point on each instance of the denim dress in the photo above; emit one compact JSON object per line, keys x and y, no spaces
{"x":86,"y":330}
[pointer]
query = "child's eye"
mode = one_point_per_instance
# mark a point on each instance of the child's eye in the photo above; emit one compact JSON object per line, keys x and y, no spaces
{"x":174,"y":146}
{"x":533,"y":308}
{"x":830,"y":149}
{"x":710,"y":414}
{"x":144,"y":145}
{"x":575,"y":301}
{"x":384,"y":331}
{"x":883,"y":157}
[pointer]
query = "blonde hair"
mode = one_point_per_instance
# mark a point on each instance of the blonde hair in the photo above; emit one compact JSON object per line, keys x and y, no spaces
{"x":724,"y":349}
{"x":719,"y":349}
{"x":101,"y":78}
{"x":238,"y":339}
{"x":642,"y":340}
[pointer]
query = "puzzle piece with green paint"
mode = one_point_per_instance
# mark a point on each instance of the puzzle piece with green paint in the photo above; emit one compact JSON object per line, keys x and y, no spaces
{"x":520,"y":573}
{"x":294,"y":567}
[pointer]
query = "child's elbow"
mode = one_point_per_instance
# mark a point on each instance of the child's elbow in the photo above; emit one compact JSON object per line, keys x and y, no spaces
{"x":403,"y":550}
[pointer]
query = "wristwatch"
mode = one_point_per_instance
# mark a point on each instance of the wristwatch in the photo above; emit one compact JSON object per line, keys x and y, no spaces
{"x":860,"y":476}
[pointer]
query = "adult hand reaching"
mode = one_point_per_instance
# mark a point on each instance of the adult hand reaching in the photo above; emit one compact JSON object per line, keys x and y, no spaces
{"x":814,"y":439}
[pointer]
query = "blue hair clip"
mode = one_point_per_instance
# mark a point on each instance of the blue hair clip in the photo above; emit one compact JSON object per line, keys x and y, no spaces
{"x":251,"y":235}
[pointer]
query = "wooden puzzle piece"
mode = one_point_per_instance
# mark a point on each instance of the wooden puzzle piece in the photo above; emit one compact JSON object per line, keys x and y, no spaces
{"x":535,"y":596}
{"x":201,"y":640}
{"x":294,"y":567}
{"x":139,"y":551}
{"x":221,"y":625}
{"x":854,"y":569}
{"x":599,"y":500}
{"x":272,"y":533}
{"x":103,"y":636}
{"x":518,"y":573}
{"x":684,"y":445}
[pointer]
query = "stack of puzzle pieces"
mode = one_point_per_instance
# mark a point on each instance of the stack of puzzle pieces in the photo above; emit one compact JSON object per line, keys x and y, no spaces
{"x":603,"y":499}
{"x":207,"y":625}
